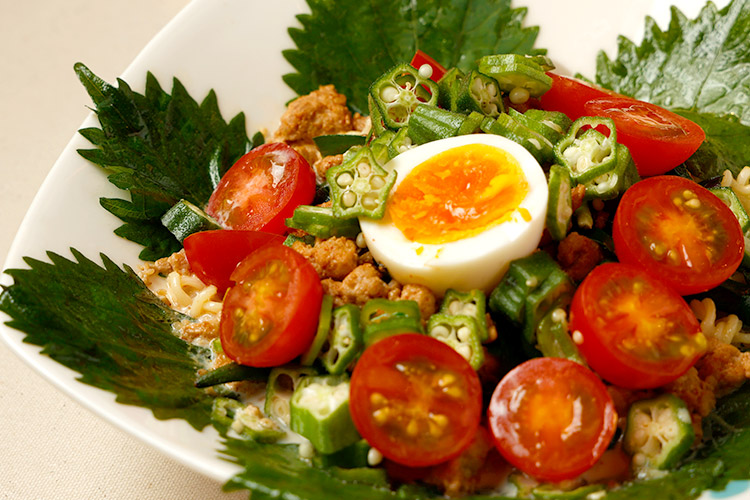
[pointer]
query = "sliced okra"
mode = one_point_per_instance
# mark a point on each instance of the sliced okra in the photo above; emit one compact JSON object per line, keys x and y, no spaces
{"x":616,"y":181}
{"x":545,"y":130}
{"x":553,"y":338}
{"x":479,"y":92}
{"x":461,"y":333}
{"x":586,"y":152}
{"x":399,"y":91}
{"x":447,"y":87}
{"x":246,"y":420}
{"x":472,"y":303}
{"x":359,"y":186}
{"x":560,"y":204}
{"x":320,"y":222}
{"x":536,"y":144}
{"x":282,"y":382}
{"x":430,"y":123}
{"x":381,"y":318}
{"x":471,"y":124}
{"x":344,"y":340}
{"x":517,"y":74}
{"x":321,"y":335}
{"x":400,"y":143}
{"x":556,"y":120}
{"x":730,"y":199}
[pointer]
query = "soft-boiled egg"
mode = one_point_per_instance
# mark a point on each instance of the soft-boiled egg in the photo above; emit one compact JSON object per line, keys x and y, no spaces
{"x":461,"y":209}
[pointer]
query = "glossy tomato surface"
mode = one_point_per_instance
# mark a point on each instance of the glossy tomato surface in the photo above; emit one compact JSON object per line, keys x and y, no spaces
{"x":570,"y":95}
{"x":633,"y":330}
{"x":415,"y":399}
{"x":678,"y":231}
{"x":213,"y":255}
{"x":552,"y":418}
{"x":271,"y":315}
{"x":262,"y":189}
{"x":658,"y":139}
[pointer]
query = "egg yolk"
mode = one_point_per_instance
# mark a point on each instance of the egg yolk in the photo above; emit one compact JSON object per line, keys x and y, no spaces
{"x":457,"y":194}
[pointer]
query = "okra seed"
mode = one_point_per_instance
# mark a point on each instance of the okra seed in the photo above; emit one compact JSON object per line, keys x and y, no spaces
{"x":558,"y":315}
{"x":306,"y":449}
{"x":344,"y":180}
{"x":364,"y":169}
{"x":425,"y":71}
{"x":464,"y":350}
{"x":535,"y":143}
{"x":377,"y":181}
{"x":490,"y":109}
{"x":469,"y":309}
{"x":491,"y":89}
{"x":389,"y":94}
{"x":348,"y":199}
{"x":532,"y":282}
{"x":440,"y":332}
{"x":464,"y":334}
{"x":370,"y":201}
{"x":476,"y":86}
{"x":519,"y":95}
{"x":346,"y":341}
{"x":454,"y":307}
{"x":374,"y":457}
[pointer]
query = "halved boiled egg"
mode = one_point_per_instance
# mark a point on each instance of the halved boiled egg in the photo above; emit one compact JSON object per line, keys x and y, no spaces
{"x":461,"y":209}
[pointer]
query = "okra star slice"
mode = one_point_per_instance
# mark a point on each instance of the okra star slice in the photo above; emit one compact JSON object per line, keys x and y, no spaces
{"x":461,"y":333}
{"x":359,"y":186}
{"x":344,"y":340}
{"x":471,"y":303}
{"x":479,"y":92}
{"x":320,"y":412}
{"x":560,"y":204}
{"x":616,"y":181}
{"x":588,"y":153}
{"x":399,"y":91}
{"x":247,"y":421}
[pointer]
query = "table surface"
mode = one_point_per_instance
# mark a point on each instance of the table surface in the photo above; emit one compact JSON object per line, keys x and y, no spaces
{"x":51,"y":447}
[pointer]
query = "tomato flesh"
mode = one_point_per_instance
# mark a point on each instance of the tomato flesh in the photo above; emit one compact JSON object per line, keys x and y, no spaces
{"x":658,"y":139}
{"x":271,"y":315}
{"x":213,"y":255}
{"x":551,"y":418}
{"x":415,"y":399}
{"x":633,"y":330}
{"x":570,"y":95}
{"x":262,"y":189}
{"x":678,"y":231}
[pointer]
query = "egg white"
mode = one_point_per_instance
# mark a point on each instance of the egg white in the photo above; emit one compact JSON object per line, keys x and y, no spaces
{"x":477,"y":262}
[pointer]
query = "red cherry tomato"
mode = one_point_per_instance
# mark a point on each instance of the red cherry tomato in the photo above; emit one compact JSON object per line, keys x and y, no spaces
{"x":415,"y":399}
{"x":569,"y":95}
{"x":421,"y":58}
{"x":679,"y":232}
{"x":658,"y":139}
{"x":552,"y":418}
{"x":213,"y":255}
{"x":271,"y":315}
{"x":633,"y":330}
{"x":262,"y":189}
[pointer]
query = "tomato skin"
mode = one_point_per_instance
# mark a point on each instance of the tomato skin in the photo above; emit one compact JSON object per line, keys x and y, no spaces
{"x":277,"y":296}
{"x":421,"y":58}
{"x":658,"y":139}
{"x":569,"y":95}
{"x":213,"y":255}
{"x":253,"y":196}
{"x":552,"y":418}
{"x":633,"y":330}
{"x":710,"y":234}
{"x":415,"y":399}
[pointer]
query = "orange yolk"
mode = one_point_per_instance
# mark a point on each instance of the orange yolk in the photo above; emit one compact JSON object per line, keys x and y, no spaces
{"x":457,"y":194}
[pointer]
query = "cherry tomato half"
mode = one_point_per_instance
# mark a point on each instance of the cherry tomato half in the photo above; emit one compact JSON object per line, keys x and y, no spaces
{"x":678,"y":231}
{"x":415,"y":399}
{"x":552,"y":418}
{"x":633,"y":330}
{"x":420,"y":58}
{"x":658,"y":139}
{"x":271,"y":315}
{"x":569,"y":95}
{"x":213,"y":255}
{"x":262,"y":189}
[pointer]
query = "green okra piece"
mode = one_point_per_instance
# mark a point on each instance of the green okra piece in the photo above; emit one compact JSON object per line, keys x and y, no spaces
{"x":447,"y":87}
{"x":560,"y":202}
{"x":730,"y":199}
{"x":359,"y":186}
{"x":282,"y":381}
{"x":319,"y":411}
{"x":472,"y":124}
{"x":553,"y":337}
{"x":321,"y":223}
{"x":184,"y":219}
{"x":351,"y":457}
{"x":536,"y":144}
{"x":461,"y":333}
{"x":399,"y":91}
{"x":231,"y":372}
{"x":615,"y":182}
{"x":552,"y":134}
{"x":478,"y":92}
{"x":472,"y":303}
{"x":555,"y":120}
{"x":321,"y":335}
{"x":345,"y":340}
{"x":382,"y":318}
{"x":555,"y":291}
{"x":400,"y":143}
{"x":246,"y":420}
{"x":586,"y":152}
{"x":430,"y":123}
{"x":517,"y":71}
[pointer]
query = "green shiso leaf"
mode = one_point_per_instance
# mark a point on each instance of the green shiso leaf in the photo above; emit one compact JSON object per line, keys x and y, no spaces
{"x":105,"y":324}
{"x":698,"y":68}
{"x":161,"y":148}
{"x":350,"y":44}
